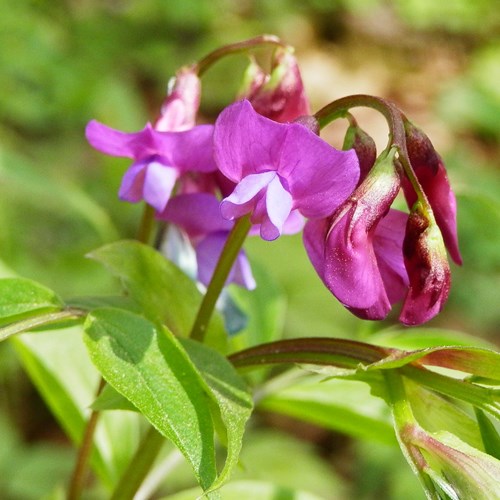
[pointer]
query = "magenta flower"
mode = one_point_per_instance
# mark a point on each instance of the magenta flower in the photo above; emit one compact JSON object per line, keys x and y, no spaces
{"x":159,"y":158}
{"x":357,"y":252}
{"x":198,"y":215}
{"x":431,"y":174}
{"x":278,"y":168}
{"x":279,"y":95}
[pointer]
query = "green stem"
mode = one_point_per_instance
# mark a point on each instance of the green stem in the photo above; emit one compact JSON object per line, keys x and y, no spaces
{"x":41,"y":320}
{"x":80,"y":470}
{"x":405,"y":423}
{"x":204,"y":64}
{"x":146,"y":225}
{"x":139,"y":466}
{"x":228,"y":256}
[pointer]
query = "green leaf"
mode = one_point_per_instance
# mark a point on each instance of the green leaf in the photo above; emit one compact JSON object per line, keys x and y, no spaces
{"x":21,"y":297}
{"x":110,"y":399}
{"x":231,"y":396}
{"x":164,"y":292}
{"x":435,"y":413}
{"x":59,"y":366}
{"x":343,"y":405}
{"x":489,"y":434}
{"x":151,"y":369}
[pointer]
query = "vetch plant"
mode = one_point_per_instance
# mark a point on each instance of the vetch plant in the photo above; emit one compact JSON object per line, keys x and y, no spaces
{"x":166,"y":358}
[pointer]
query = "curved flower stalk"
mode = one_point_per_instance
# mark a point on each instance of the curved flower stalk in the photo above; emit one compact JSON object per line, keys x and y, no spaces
{"x":371,"y":257}
{"x":278,"y":168}
{"x":199,"y":217}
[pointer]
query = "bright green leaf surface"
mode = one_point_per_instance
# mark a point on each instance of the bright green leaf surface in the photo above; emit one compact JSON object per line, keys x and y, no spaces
{"x":343,"y":405}
{"x":233,"y":400}
{"x":151,"y":369}
{"x":163,"y":291}
{"x":21,"y":297}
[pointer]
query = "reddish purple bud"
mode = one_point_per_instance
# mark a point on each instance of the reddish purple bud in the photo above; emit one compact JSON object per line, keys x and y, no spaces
{"x":431,"y":174}
{"x":364,"y":146}
{"x":280,"y":95}
{"x":179,"y":109}
{"x":427,"y":267}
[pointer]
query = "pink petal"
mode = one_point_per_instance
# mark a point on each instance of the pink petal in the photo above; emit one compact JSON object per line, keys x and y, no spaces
{"x":279,"y":205}
{"x":131,"y":188}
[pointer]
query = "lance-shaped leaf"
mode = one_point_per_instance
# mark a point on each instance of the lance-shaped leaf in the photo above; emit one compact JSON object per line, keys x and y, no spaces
{"x":150,"y":368}
{"x":164,"y":292}
{"x":21,"y":298}
{"x":233,"y":401}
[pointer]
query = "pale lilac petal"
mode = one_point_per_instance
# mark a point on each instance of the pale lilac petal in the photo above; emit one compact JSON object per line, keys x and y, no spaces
{"x":246,"y":142}
{"x":294,"y":223}
{"x":197,"y":213}
{"x":131,"y":188}
{"x":278,"y":204}
{"x":208,"y":252}
{"x":158,"y":184}
{"x":319,"y":177}
{"x":240,"y":201}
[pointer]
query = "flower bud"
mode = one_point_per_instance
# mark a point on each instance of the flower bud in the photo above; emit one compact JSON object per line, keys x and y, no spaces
{"x":364,"y":146}
{"x":431,"y":174}
{"x":428,"y":269}
{"x":280,"y":95}
{"x":179,"y":109}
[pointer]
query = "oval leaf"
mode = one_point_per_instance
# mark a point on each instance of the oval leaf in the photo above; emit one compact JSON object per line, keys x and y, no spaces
{"x":151,"y":369}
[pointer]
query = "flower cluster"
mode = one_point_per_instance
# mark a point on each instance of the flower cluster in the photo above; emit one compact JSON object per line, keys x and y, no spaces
{"x":263,"y":160}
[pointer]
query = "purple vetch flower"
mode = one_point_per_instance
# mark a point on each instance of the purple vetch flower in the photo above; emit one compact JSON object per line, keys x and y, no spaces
{"x":198,"y":215}
{"x":159,"y":158}
{"x":279,"y":95}
{"x":431,"y":174}
{"x":278,"y":168}
{"x":357,"y":252}
{"x":428,"y":270}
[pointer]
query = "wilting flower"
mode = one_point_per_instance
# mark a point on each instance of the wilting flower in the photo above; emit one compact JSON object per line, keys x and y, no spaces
{"x":198,"y":215}
{"x":357,"y":252}
{"x":179,"y":109}
{"x":427,"y":267}
{"x":431,"y":174}
{"x":159,"y":158}
{"x":279,"y":95}
{"x":278,"y":168}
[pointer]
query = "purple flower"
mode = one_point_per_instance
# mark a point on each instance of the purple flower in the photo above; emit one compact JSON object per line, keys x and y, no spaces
{"x":279,"y":95}
{"x":431,"y":174}
{"x":278,"y":168}
{"x":159,"y":158}
{"x":198,"y":215}
{"x":357,"y":252}
{"x":428,"y":270}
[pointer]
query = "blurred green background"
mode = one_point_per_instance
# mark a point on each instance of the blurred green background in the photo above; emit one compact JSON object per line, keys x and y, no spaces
{"x":64,"y":62}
